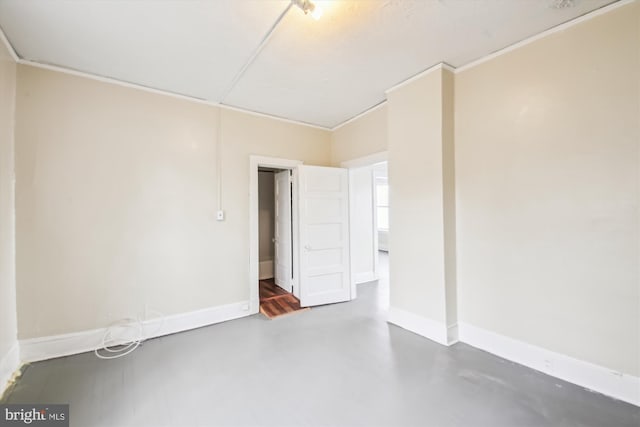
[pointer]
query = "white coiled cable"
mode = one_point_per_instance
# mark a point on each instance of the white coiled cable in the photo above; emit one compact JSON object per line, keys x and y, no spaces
{"x":113,"y":347}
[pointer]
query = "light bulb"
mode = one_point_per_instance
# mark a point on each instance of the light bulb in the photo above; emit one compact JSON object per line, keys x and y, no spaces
{"x":309,"y":8}
{"x":316,"y":13}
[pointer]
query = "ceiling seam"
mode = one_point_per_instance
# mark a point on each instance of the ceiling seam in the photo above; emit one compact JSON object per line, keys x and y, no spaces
{"x":255,"y":53}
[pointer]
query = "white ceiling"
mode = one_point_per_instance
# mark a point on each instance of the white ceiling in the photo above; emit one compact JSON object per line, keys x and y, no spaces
{"x":320,"y":72}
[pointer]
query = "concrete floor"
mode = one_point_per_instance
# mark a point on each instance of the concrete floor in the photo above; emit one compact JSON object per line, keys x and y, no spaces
{"x":337,"y":365}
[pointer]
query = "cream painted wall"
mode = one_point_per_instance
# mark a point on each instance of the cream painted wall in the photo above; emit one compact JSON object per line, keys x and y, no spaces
{"x":8,"y":325}
{"x":361,"y":137}
{"x":449,"y":197}
{"x":116,"y":200}
{"x":266,"y":215}
{"x":416,"y":246}
{"x":547,"y":152}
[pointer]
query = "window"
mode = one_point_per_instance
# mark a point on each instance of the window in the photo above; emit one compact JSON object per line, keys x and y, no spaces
{"x":382,"y":203}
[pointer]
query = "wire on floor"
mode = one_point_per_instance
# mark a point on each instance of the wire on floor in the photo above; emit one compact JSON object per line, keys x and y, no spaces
{"x":123,"y":336}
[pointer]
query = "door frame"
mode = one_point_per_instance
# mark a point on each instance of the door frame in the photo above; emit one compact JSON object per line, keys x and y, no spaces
{"x":281,"y":236}
{"x":360,"y":162}
{"x":256,"y":162}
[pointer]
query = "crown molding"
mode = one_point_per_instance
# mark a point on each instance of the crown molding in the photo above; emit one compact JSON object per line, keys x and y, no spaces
{"x":10,"y":48}
{"x":558,"y":28}
{"x":440,"y":66}
{"x":436,"y":67}
{"x":272,"y":117}
{"x":102,"y":79}
{"x":360,"y":115}
{"x":129,"y":85}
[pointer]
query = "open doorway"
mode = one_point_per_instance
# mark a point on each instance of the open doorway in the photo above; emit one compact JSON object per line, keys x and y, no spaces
{"x":261,"y":269}
{"x":320,"y":235}
{"x":369,"y":217}
{"x":275,"y":235}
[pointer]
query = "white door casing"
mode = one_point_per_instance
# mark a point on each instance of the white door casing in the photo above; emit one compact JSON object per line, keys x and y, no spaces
{"x":256,"y":162}
{"x":323,"y":201}
{"x":282,"y":232}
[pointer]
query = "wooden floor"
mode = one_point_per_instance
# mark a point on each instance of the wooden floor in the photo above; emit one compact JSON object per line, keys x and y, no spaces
{"x":275,"y":301}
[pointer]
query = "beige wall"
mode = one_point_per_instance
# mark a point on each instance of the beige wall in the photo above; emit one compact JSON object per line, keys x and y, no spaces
{"x":8,"y":328}
{"x":116,"y":201}
{"x":449,"y":198}
{"x":547,"y":164}
{"x":416,"y":244}
{"x":361,"y":137}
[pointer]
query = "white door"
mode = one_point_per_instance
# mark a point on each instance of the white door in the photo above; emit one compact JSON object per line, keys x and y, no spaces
{"x":282,"y":232}
{"x":323,"y":200}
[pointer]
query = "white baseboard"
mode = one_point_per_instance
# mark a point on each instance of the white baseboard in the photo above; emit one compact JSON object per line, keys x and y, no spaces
{"x":365,"y":277}
{"x":9,"y":364}
{"x":43,"y":348}
{"x":422,"y":326}
{"x":266,"y":270}
{"x":594,"y":377}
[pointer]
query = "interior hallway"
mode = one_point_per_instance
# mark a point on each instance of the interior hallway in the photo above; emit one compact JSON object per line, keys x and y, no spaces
{"x":337,"y":365}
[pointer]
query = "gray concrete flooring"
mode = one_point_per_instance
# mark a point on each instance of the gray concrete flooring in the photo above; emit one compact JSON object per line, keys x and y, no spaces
{"x":337,"y":365}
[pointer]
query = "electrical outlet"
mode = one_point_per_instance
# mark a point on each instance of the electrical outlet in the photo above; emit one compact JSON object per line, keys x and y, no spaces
{"x":220,"y":215}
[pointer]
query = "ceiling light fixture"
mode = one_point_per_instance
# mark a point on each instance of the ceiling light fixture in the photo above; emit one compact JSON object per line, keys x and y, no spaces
{"x":309,"y":8}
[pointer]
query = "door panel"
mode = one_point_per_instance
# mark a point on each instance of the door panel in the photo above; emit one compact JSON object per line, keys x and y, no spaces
{"x":282,"y":232}
{"x":322,"y":257}
{"x":323,"y":195}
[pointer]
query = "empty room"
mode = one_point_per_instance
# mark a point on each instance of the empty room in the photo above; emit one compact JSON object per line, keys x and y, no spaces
{"x":320,"y":213}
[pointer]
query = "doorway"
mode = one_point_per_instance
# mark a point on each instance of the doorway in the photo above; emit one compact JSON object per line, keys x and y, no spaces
{"x":320,"y":252}
{"x":275,"y":231}
{"x":275,"y":228}
{"x":267,"y":263}
{"x":369,"y":203}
